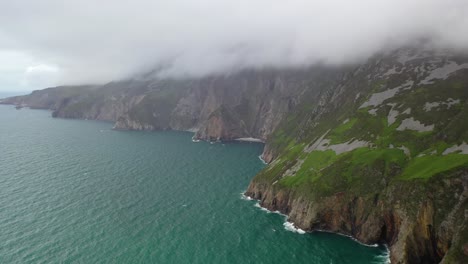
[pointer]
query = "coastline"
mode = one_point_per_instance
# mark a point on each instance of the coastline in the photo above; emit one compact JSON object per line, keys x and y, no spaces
{"x":250,"y":139}
{"x":290,"y":226}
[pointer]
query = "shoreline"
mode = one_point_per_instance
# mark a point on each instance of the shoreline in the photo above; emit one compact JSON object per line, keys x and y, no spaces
{"x":290,"y":226}
{"x":250,"y":139}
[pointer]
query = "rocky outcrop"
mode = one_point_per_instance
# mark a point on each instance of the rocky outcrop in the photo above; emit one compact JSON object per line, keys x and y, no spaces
{"x":415,"y":231}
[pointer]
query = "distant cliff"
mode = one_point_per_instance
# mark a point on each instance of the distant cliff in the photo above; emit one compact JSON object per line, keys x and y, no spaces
{"x":377,"y":150}
{"x":223,"y":107}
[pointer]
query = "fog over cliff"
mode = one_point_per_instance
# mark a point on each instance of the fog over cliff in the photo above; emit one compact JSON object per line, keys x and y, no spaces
{"x":53,"y":42}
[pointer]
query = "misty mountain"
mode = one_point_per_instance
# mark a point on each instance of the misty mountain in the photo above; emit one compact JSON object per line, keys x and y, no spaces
{"x":377,"y":150}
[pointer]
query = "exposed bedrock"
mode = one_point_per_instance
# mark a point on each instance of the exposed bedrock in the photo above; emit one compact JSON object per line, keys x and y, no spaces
{"x":414,"y":230}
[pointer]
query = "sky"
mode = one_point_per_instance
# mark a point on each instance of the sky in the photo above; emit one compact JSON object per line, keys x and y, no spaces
{"x":54,"y":42}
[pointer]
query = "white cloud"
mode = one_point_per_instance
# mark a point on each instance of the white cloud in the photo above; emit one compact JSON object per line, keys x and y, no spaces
{"x":40,"y":75}
{"x":97,"y":41}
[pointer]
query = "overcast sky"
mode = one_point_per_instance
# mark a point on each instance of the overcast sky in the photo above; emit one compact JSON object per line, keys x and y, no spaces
{"x":51,"y":42}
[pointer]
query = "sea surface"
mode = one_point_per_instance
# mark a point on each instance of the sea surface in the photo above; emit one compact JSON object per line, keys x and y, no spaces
{"x":75,"y":191}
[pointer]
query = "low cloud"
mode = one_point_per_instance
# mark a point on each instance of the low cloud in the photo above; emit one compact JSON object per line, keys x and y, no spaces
{"x":92,"y":41}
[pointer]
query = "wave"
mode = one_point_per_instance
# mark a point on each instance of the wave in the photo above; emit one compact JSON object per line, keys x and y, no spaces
{"x":257,"y":204}
{"x":263,"y":161}
{"x":245,"y":197}
{"x":250,"y":139}
{"x":384,"y":258}
{"x":348,"y":236}
{"x":291,"y":227}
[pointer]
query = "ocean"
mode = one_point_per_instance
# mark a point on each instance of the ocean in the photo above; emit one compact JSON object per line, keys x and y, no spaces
{"x":76,"y":191}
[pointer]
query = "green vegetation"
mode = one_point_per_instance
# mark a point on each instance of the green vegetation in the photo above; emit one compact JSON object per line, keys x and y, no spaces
{"x":395,"y":158}
{"x":427,"y":166}
{"x":325,"y":172}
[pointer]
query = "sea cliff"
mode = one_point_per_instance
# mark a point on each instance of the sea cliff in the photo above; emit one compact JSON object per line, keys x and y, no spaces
{"x":377,"y":150}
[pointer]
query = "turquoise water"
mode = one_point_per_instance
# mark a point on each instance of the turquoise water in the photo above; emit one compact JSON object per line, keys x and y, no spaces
{"x":75,"y":191}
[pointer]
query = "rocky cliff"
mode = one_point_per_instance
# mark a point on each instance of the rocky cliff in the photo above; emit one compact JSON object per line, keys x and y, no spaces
{"x":376,"y":150}
{"x":381,"y":156}
{"x":249,"y":103}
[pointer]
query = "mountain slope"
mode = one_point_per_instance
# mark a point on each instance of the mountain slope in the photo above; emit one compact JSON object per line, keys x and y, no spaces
{"x":383,"y":158}
{"x":378,"y":151}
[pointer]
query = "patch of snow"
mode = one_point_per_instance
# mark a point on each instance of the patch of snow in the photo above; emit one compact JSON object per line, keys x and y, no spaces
{"x":357,"y":96}
{"x":428,"y":106}
{"x":450,"y":102}
{"x":348,"y":146}
{"x":346,"y":121}
{"x":373,"y":111}
{"x":319,"y":142}
{"x":292,"y":171}
{"x":407,"y":85}
{"x":392,"y":114}
{"x":443,"y":72}
{"x":323,"y":144}
{"x":463,"y":148}
{"x":407,"y":111}
{"x":412,"y":124}
{"x":378,"y":98}
{"x":405,"y":150}
{"x":391,"y":72}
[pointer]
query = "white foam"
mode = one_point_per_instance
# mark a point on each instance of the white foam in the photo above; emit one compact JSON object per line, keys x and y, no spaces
{"x":262,"y":208}
{"x":287,"y":225}
{"x":257,"y":204}
{"x":348,"y":236}
{"x":264,"y":162}
{"x":291,"y":227}
{"x":250,"y":139}
{"x":384,"y":258}
{"x":245,"y":197}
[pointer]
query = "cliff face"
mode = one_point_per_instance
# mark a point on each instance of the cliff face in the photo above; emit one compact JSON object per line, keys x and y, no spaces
{"x":377,"y":151}
{"x":224,"y":107}
{"x":410,"y":218}
{"x":381,"y":156}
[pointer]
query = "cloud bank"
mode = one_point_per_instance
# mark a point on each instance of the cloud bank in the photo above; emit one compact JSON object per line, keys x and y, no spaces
{"x":91,"y":41}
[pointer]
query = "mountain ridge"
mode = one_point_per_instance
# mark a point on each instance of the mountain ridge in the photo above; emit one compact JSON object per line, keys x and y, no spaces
{"x":375,"y":150}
